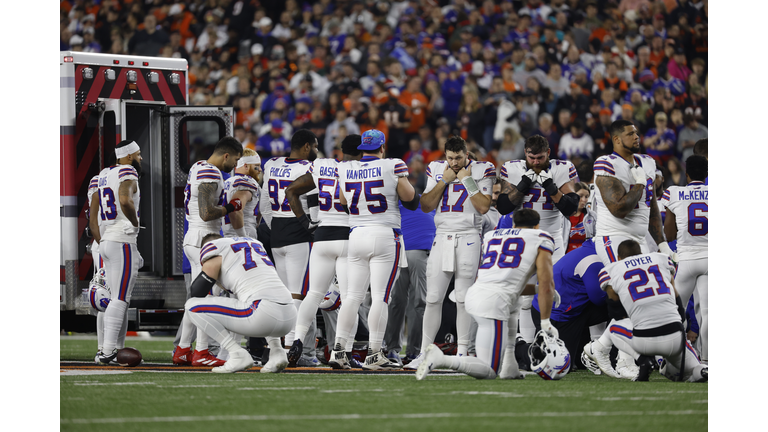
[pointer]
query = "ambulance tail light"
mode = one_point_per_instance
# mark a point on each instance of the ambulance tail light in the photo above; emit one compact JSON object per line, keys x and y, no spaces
{"x":69,"y":59}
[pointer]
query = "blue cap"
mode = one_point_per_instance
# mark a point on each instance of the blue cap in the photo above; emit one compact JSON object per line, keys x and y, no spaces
{"x":277,"y":125}
{"x":371,"y":140}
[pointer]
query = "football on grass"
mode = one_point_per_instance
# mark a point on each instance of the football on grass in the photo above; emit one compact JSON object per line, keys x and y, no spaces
{"x":128,"y":357}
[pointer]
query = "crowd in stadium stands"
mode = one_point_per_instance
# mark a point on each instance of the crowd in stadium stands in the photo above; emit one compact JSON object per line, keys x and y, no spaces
{"x":493,"y":71}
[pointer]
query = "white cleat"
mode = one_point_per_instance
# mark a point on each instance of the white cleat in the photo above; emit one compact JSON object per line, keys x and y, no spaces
{"x":414,"y":364}
{"x":238,"y":361}
{"x":379,"y":361}
{"x":598,"y":354}
{"x":627,"y":368}
{"x":589,"y":364}
{"x":276,"y":363}
{"x":432,"y":357}
{"x":339,"y":359}
{"x":510,"y":370}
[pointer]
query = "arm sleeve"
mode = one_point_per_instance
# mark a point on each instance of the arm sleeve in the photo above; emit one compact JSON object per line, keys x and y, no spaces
{"x":591,"y":281}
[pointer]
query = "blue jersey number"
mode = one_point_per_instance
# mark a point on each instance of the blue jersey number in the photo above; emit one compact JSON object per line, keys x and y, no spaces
{"x":358,"y":187}
{"x":698,"y":223}
{"x":638,"y":289}
{"x":510,"y":255}
{"x":459,"y":206}
{"x":273,"y":189}
{"x":247,"y":248}
{"x":107,"y":200}
{"x":325,"y":200}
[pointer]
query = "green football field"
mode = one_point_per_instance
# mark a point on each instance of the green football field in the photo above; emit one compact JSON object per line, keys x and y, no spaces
{"x":128,"y":400}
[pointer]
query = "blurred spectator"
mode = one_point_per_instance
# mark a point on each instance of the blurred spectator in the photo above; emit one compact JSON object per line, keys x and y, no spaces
{"x":397,"y":118}
{"x":512,"y":147}
{"x":332,"y":131}
{"x":667,"y":81}
{"x":317,"y":124}
{"x":530,"y":70}
{"x":574,"y":101}
{"x":547,"y":130}
{"x":612,"y":80}
{"x":675,"y":175}
{"x":274,"y":143}
{"x":554,"y":81}
{"x":508,"y":79}
{"x":416,"y":103}
{"x":415,"y":148}
{"x":577,"y":236}
{"x":373,"y":119}
{"x":150,"y":41}
{"x":689,"y":135}
{"x":563,"y":125}
{"x":576,"y":143}
{"x":660,"y":141}
{"x":452,"y":94}
{"x":696,"y":104}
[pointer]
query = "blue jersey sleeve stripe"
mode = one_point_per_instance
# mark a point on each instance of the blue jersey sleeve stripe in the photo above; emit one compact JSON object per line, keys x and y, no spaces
{"x":546,"y":249}
{"x":610,"y":171}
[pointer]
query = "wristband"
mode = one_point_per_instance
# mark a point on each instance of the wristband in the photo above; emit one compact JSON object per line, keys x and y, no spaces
{"x":443,"y":180}
{"x":470,"y":185}
{"x":229,"y":208}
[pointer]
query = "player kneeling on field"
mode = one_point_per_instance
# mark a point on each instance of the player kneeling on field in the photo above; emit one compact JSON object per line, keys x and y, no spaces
{"x":511,"y":257}
{"x":642,"y":287}
{"x":260,"y":306}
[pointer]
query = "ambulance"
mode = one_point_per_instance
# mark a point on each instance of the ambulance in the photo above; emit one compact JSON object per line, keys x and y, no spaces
{"x":105,"y":99}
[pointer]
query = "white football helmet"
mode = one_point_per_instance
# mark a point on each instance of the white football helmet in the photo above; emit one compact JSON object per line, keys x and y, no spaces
{"x":332,"y":299}
{"x":99,"y":294}
{"x":549,"y":357}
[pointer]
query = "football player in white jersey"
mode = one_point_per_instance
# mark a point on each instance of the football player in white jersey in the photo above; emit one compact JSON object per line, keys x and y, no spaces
{"x":687,"y":221}
{"x":370,"y":189}
{"x":98,"y":263}
{"x":459,"y":189}
{"x":204,"y":207}
{"x":243,"y":185}
{"x":512,"y":255}
{"x":118,"y":196}
{"x":260,"y":306}
{"x":291,"y":238}
{"x":547,"y":186}
{"x":626,"y":209}
{"x":643,"y":284}
{"x":331,"y":238}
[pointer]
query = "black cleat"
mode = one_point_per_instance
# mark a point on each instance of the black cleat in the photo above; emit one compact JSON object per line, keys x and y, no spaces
{"x":647,"y":365}
{"x":294,"y":354}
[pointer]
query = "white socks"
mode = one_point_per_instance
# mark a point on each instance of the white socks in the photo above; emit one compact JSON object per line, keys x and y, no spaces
{"x":113,"y":322}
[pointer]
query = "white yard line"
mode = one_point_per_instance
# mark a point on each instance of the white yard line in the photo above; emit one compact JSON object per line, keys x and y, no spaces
{"x":377,"y":416}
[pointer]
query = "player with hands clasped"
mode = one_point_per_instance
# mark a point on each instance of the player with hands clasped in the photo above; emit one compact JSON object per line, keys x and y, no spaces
{"x":204,"y":208}
{"x":260,"y":305}
{"x":243,"y":186}
{"x":547,"y":186}
{"x":459,"y":189}
{"x":115,"y":212}
{"x":641,"y":286}
{"x":329,"y":250}
{"x":370,"y":188}
{"x":512,"y":255}
{"x":627,"y":209}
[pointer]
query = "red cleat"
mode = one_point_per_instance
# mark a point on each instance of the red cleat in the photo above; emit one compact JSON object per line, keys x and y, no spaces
{"x":205,"y":359}
{"x":182,"y":356}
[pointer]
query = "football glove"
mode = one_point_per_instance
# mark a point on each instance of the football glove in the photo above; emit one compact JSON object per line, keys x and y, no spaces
{"x":308,"y":223}
{"x":557,"y":299}
{"x":545,"y":180}
{"x":525,"y":183}
{"x":665,"y":249}
{"x":129,"y":229}
{"x":638,"y":174}
{"x":548,"y":328}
